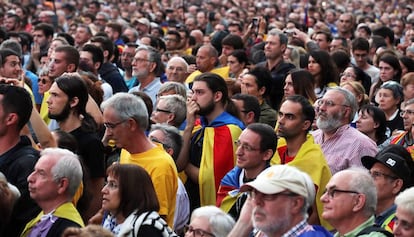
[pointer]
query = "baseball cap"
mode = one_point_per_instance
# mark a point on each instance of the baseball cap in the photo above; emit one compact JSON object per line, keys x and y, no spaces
{"x":278,"y":178}
{"x":393,"y":161}
{"x":143,"y":21}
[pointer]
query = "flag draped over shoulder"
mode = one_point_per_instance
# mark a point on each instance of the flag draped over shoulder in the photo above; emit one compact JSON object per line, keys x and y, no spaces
{"x":218,"y":154}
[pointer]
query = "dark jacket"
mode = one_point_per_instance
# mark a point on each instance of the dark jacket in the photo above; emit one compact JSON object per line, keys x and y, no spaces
{"x":110,"y":74}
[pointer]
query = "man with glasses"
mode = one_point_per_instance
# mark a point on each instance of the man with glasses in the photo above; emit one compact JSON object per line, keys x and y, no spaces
{"x":405,"y":138}
{"x":296,"y":147}
{"x":255,"y":147}
{"x":278,"y":204}
{"x":172,"y":40}
{"x":350,"y":201}
{"x":342,"y":145}
{"x":391,"y":175}
{"x":147,"y":67}
{"x":126,"y":120}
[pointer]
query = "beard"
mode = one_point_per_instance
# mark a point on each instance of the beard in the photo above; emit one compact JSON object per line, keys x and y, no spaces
{"x":63,"y":115}
{"x":140,"y":74}
{"x":330,"y":122}
{"x":207,"y":109}
{"x":279,"y":225}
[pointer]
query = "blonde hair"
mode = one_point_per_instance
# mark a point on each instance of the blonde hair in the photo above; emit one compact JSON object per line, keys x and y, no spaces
{"x":359,"y":89}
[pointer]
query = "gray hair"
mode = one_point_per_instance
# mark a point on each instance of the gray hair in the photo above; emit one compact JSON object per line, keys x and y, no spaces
{"x":283,"y":39}
{"x":362,"y":182}
{"x":396,"y":88}
{"x":177,"y":105}
{"x":128,"y":106}
{"x":180,"y":60}
{"x":220,"y":222}
{"x":153,"y":56}
{"x":67,"y":166}
{"x":405,"y":200}
{"x":350,"y":100}
{"x":179,"y":88}
{"x":172,"y":137}
{"x":13,"y":45}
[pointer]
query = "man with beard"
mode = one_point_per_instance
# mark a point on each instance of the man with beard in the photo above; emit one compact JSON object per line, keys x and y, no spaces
{"x":208,"y":153}
{"x":147,"y":67}
{"x":297,"y":148}
{"x":278,"y":204}
{"x":342,"y":145}
{"x":126,"y":61}
{"x":67,"y":105}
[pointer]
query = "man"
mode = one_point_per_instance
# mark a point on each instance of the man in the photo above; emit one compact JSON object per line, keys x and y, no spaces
{"x":349,"y":203}
{"x":342,"y":145}
{"x":126,"y":120}
{"x":210,"y":149}
{"x":176,"y":69}
{"x":386,"y":33}
{"x":90,"y":60}
{"x":67,"y":105}
{"x":297,"y":148}
{"x":126,"y":62}
{"x":171,"y":140}
{"x":82,"y":36}
{"x":360,"y":53}
{"x":131,"y":34}
{"x":12,"y":22}
{"x":235,"y":28}
{"x":53,"y":183}
{"x":18,"y":157}
{"x":248,"y":106}
{"x":391,"y":175}
{"x":255,"y":147}
{"x":108,"y":71}
{"x":404,"y":226}
{"x":323,"y":39}
{"x":42,"y":36}
{"x":405,"y":138}
{"x":101,"y":20}
{"x":206,"y":61}
{"x":257,"y":82}
{"x":170,"y":109}
{"x":339,"y":43}
{"x":275,"y":46}
{"x":278,"y":202}
{"x":228,"y":45}
{"x":345,"y":25}
{"x":172,"y":40}
{"x":114,"y":32}
{"x":147,"y":67}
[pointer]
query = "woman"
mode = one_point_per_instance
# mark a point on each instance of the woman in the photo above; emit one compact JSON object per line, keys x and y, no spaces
{"x":407,"y":82}
{"x":353,"y":73}
{"x":407,"y":65}
{"x":358,"y":91}
{"x":237,"y":62}
{"x":372,"y":122}
{"x":300,"y":82}
{"x":132,"y":212}
{"x":390,"y":70}
{"x":44,"y":82}
{"x":209,"y":221}
{"x":389,"y":98}
{"x":323,"y":69}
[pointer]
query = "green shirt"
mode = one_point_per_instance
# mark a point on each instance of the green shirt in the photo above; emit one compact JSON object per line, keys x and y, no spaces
{"x":358,"y":229}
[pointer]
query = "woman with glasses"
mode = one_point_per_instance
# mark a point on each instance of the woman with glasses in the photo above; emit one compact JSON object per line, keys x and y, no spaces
{"x":131,"y":209}
{"x":353,"y":73}
{"x":209,"y":221}
{"x":389,"y":98}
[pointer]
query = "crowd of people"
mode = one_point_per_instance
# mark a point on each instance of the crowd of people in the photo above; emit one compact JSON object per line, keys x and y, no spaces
{"x":207,"y":118}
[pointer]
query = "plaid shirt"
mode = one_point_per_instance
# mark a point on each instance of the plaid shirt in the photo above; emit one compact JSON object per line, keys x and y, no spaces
{"x":295,"y":231}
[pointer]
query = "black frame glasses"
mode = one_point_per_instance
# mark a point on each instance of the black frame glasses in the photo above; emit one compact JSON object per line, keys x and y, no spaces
{"x":331,"y":192}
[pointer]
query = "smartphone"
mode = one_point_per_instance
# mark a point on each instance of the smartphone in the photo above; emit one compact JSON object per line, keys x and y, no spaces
{"x":289,"y":32}
{"x":255,"y":21}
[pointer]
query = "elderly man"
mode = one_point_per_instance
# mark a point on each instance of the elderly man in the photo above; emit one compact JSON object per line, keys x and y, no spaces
{"x":342,"y":145}
{"x":53,"y":183}
{"x":404,"y":226}
{"x":391,"y":175}
{"x":171,"y":109}
{"x":283,"y":188}
{"x":350,"y":200}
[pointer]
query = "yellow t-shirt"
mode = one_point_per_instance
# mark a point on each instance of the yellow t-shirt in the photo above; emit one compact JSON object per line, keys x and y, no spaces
{"x":161,"y":167}
{"x":221,"y":71}
{"x":43,"y":108}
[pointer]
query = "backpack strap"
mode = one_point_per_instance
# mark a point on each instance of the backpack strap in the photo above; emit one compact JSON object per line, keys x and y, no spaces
{"x":374,"y":228}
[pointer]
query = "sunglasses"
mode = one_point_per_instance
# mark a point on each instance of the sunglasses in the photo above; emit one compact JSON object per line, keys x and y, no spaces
{"x":43,"y":81}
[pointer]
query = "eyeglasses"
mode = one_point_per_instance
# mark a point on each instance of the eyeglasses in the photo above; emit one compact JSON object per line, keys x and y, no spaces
{"x":197,"y":232}
{"x":254,"y":194}
{"x":408,"y":111}
{"x":376,"y":174}
{"x":331,"y":192}
{"x":163,"y":110}
{"x":139,"y":60}
{"x":113,"y":125}
{"x":245,"y":147}
{"x":170,"y":39}
{"x":154,"y":139}
{"x":111,"y":185}
{"x":43,"y":81}
{"x":329,"y":103}
{"x":347,"y":75}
